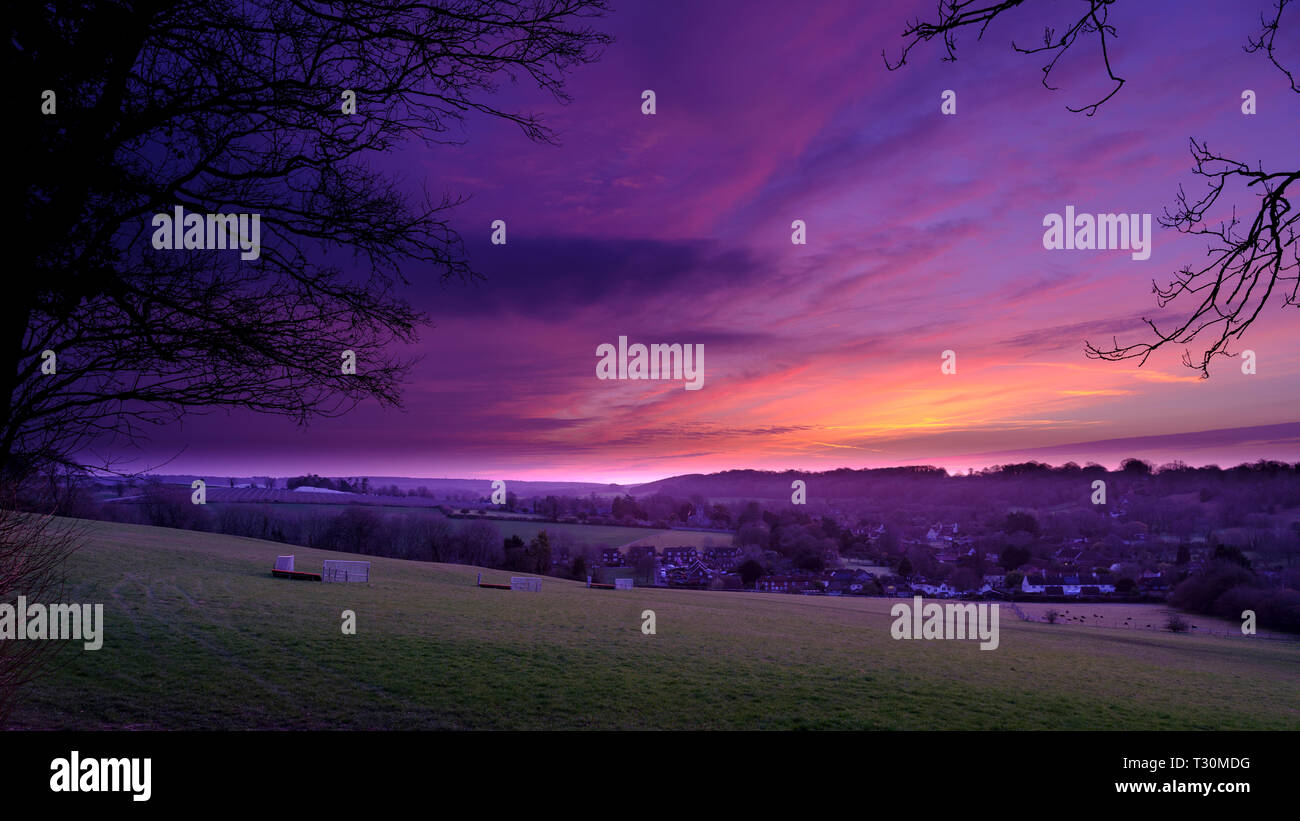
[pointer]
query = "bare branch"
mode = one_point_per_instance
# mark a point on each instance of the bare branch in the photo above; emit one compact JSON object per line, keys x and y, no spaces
{"x":235,"y":107}
{"x":954,"y":15}
{"x":1249,"y":261}
{"x":1264,"y":41}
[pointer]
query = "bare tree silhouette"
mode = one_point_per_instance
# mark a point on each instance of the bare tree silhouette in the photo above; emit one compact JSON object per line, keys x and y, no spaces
{"x":33,"y":548}
{"x":954,"y":15}
{"x":1250,"y":260}
{"x":1264,"y":41}
{"x":228,"y":107}
{"x":237,"y":107}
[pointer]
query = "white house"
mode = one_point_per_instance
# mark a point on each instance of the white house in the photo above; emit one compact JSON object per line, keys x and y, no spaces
{"x":1070,"y":585}
{"x":941,"y":590}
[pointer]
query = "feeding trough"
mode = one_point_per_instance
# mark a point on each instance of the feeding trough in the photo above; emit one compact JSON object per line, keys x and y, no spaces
{"x":284,"y":570}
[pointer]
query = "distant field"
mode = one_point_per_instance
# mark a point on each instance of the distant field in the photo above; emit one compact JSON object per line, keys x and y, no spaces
{"x":681,"y":538}
{"x":255,"y":495}
{"x":874,"y":569}
{"x":332,"y":508}
{"x":199,"y":635}
{"x":1134,"y":616}
{"x":581,"y":534}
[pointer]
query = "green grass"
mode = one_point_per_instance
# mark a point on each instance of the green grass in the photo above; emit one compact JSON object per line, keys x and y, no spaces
{"x":579,"y":534}
{"x":609,"y":535}
{"x":681,"y":538}
{"x":199,"y":635}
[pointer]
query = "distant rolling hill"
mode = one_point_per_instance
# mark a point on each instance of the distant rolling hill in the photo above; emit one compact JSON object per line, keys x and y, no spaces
{"x":764,"y":484}
{"x":436,"y":486}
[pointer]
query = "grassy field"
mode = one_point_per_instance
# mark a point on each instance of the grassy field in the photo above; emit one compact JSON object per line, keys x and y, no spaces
{"x":1135,"y":617}
{"x":681,"y":538}
{"x":608,"y":535}
{"x":199,"y":635}
{"x":579,"y":534}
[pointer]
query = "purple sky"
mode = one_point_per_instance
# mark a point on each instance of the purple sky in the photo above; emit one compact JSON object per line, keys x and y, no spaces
{"x":924,"y":234}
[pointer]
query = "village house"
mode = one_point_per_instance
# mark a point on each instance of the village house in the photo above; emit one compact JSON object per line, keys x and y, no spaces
{"x":638,"y":552}
{"x":1067,"y":585}
{"x":696,"y":574}
{"x":1153,"y":585}
{"x":788,"y":584}
{"x":941,"y":533}
{"x":722,"y":558}
{"x":941,"y":590}
{"x":1068,"y":555}
{"x":679,"y":556}
{"x":894,"y":586}
{"x":848,"y":582}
